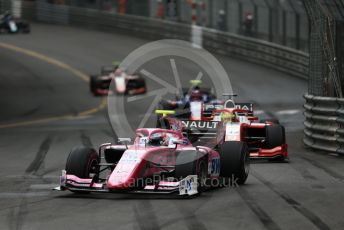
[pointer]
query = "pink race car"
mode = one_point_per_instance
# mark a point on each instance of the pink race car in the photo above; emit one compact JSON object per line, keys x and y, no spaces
{"x":159,"y":161}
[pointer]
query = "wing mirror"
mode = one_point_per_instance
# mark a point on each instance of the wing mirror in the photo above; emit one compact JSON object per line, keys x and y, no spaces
{"x":125,"y":141}
{"x":175,"y":143}
{"x":252,"y":118}
{"x":178,"y":142}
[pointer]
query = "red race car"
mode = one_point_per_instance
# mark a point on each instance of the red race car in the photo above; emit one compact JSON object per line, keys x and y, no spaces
{"x":233,"y":122}
{"x":123,"y":83}
{"x":159,"y":161}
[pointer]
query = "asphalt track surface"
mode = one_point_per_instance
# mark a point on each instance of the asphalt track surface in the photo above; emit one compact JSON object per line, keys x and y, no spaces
{"x":46,"y":110}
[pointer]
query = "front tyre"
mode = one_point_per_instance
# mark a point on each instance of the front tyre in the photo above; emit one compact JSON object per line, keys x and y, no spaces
{"x":235,"y":161}
{"x":82,"y":162}
{"x":275,"y":136}
{"x":190,"y":162}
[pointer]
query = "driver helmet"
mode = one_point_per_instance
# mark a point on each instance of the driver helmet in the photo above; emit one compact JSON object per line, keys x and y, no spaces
{"x":196,"y":95}
{"x":226,"y":116}
{"x":118,"y":72}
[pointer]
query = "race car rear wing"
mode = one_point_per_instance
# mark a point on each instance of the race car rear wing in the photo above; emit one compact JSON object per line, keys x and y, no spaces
{"x":245,"y":106}
{"x":209,"y":108}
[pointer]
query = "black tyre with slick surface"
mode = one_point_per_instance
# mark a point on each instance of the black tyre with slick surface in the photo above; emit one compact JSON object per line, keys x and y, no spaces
{"x":141,"y":82}
{"x":202,"y":174}
{"x":234,"y":161}
{"x":192,"y":163}
{"x":185,"y":164}
{"x":275,"y":136}
{"x":93,"y":83}
{"x":82,"y":162}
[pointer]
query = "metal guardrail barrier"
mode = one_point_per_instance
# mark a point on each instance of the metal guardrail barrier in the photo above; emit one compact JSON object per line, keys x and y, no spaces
{"x":258,"y":51}
{"x":254,"y":50}
{"x":324,"y":124}
{"x":282,"y":22}
{"x":141,"y":26}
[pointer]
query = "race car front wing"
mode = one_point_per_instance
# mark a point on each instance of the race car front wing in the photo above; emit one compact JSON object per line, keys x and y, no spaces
{"x":184,"y":187}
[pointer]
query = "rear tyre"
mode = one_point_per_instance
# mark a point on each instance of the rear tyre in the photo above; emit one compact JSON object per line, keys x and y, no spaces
{"x":202,"y":175}
{"x":142,"y":83}
{"x":93,"y":84}
{"x":275,"y":136}
{"x":235,"y":161}
{"x":26,"y":29}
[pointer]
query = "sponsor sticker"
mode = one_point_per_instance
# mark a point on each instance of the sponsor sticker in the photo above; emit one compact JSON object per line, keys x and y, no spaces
{"x":246,"y":106}
{"x":232,"y":132}
{"x":210,"y":107}
{"x":196,"y":109}
{"x":200,"y":124}
{"x":188,"y":186}
{"x":214,"y":167}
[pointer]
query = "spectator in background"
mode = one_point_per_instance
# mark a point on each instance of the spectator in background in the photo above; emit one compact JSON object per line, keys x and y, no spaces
{"x":221,"y":21}
{"x":160,"y":10}
{"x":248,"y":23}
{"x":122,"y":6}
{"x":172,"y":10}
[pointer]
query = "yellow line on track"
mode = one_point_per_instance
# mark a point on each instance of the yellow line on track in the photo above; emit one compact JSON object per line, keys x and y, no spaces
{"x":45,"y":58}
{"x":61,"y":65}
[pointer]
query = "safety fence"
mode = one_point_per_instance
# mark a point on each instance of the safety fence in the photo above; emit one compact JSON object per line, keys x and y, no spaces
{"x":275,"y":56}
{"x":282,"y":22}
{"x":324,"y":124}
{"x":5,"y":6}
{"x":257,"y":51}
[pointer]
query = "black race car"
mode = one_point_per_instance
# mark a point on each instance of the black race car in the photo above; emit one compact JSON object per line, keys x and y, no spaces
{"x":9,"y":24}
{"x":181,"y":104}
{"x":124,"y":83}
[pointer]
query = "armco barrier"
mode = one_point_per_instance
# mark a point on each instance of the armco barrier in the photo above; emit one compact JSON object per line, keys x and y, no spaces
{"x":253,"y":50}
{"x":140,"y":26}
{"x":324,"y":123}
{"x":261,"y":52}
